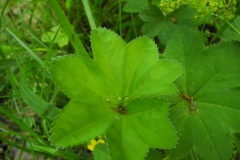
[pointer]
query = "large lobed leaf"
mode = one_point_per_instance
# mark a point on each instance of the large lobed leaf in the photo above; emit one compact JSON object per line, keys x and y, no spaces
{"x":116,"y":94}
{"x":212,"y":78}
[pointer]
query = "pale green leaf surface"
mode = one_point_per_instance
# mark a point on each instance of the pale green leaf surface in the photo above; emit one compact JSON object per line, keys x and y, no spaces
{"x":109,"y":51}
{"x":131,"y":66}
{"x":99,"y":86}
{"x":146,"y":125}
{"x":149,"y":118}
{"x":158,"y":75}
{"x":101,"y":152}
{"x":124,"y":142}
{"x":73,"y":129}
{"x":211,"y":77}
{"x":80,"y":78}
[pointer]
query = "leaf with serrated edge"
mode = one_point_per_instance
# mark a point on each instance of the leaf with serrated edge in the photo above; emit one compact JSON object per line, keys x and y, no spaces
{"x":101,"y":152}
{"x":211,"y":77}
{"x":154,"y":155}
{"x":72,"y":129}
{"x":156,"y":24}
{"x":117,"y":77}
{"x":145,"y":126}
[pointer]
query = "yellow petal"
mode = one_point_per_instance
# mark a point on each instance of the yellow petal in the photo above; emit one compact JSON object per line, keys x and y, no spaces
{"x":93,"y":142}
{"x":100,"y":141}
{"x":91,"y":147}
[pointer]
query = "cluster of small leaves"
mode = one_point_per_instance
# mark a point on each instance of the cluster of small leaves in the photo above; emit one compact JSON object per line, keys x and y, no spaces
{"x":205,"y":9}
{"x":55,"y":35}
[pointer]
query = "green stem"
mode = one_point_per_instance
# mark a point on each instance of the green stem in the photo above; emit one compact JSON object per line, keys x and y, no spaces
{"x":120,"y":17}
{"x":89,"y":14}
{"x":68,"y":29}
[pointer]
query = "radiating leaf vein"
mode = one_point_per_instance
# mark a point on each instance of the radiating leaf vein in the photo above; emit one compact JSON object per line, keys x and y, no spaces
{"x":78,"y":81}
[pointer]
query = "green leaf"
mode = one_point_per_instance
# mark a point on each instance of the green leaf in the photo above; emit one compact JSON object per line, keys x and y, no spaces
{"x":135,"y":6}
{"x":114,"y":94}
{"x":232,"y":32}
{"x":211,"y":77}
{"x":154,"y":155}
{"x":146,"y":126}
{"x":71,"y":129}
{"x":61,"y":38}
{"x":156,"y":24}
{"x":101,"y":152}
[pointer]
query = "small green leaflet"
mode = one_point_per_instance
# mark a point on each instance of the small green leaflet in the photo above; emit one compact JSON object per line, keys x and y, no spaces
{"x":232,"y":32}
{"x":156,"y":24}
{"x":127,"y":75}
{"x":61,"y":38}
{"x":212,"y":78}
{"x":101,"y":152}
{"x":135,"y":6}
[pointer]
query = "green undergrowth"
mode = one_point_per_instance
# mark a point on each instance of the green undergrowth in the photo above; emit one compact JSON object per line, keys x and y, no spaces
{"x":113,"y":80}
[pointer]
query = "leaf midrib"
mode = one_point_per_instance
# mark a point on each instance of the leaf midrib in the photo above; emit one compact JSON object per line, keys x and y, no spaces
{"x":140,"y":57}
{"x":218,"y":105}
{"x":110,"y":70}
{"x":210,"y":137}
{"x":208,"y":81}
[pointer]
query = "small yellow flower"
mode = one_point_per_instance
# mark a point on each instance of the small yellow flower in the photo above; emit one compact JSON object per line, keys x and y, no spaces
{"x":93,"y":143}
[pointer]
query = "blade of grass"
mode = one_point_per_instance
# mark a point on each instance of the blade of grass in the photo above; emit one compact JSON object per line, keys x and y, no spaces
{"x":55,"y":152}
{"x":223,"y":27}
{"x":21,"y":124}
{"x":68,"y":29}
{"x":7,"y":63}
{"x":5,"y":131}
{"x":4,"y":7}
{"x":26,"y":149}
{"x":89,"y":14}
{"x":10,"y":143}
{"x":35,"y":102}
{"x":233,"y":28}
{"x":49,"y":54}
{"x":11,"y":79}
{"x":9,"y":49}
{"x":134,"y":26}
{"x":120,"y":17}
{"x":27,"y":48}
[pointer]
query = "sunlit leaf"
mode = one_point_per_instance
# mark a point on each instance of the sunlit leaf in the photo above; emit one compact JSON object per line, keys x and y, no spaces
{"x":116,"y":94}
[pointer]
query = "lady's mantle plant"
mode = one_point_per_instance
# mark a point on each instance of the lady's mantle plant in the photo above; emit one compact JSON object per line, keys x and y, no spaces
{"x":205,"y":122}
{"x":117,"y":93}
